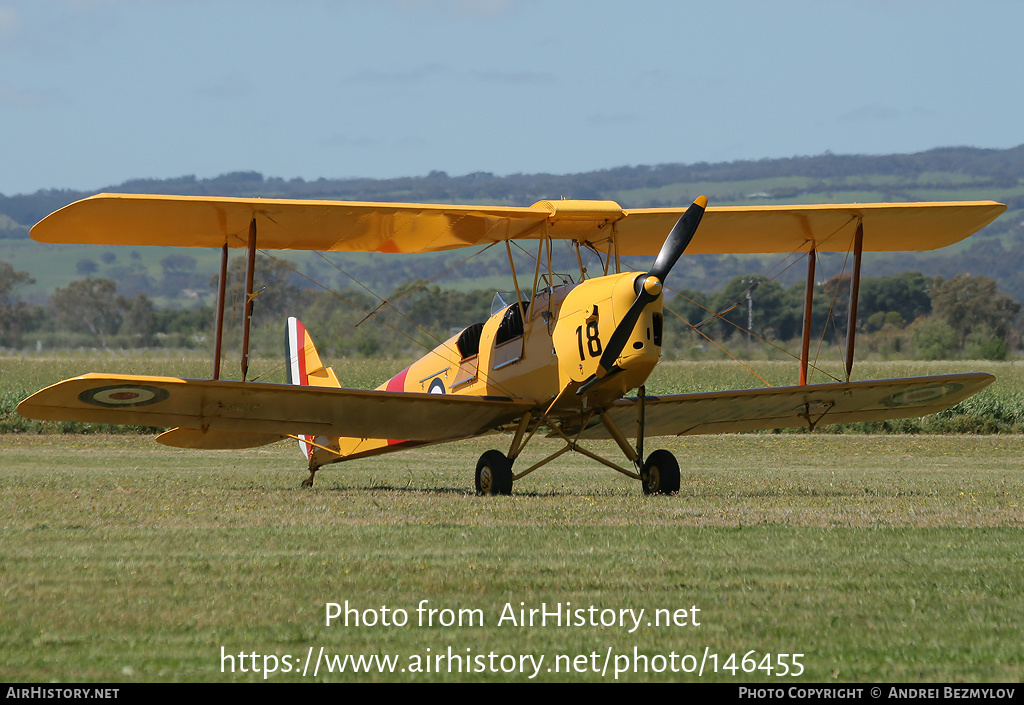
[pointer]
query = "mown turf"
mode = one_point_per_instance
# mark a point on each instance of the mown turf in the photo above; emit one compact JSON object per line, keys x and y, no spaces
{"x":880,"y":558}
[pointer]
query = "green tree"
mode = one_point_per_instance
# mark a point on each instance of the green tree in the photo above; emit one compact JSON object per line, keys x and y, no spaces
{"x":13,"y":311}
{"x":139,"y":322}
{"x":933,"y":339}
{"x":184,"y":321}
{"x":836,"y":296}
{"x":983,"y":344}
{"x":688,"y":309}
{"x":274,"y":282}
{"x":905,"y":294}
{"x":88,"y":305}
{"x":441,"y":310}
{"x":179,"y":274}
{"x":755,"y":303}
{"x":973,"y":304}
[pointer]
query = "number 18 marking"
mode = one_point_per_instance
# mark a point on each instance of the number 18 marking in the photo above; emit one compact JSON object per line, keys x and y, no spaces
{"x":593,"y":340}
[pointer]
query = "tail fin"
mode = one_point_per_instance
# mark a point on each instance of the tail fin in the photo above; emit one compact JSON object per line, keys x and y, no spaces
{"x":305,"y":367}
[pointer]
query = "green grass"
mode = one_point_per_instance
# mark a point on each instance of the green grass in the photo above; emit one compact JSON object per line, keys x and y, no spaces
{"x":880,"y":558}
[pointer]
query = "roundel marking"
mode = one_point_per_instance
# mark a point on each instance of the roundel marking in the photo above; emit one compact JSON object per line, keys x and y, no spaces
{"x":922,"y":395}
{"x":437,"y":386}
{"x":121,"y":395}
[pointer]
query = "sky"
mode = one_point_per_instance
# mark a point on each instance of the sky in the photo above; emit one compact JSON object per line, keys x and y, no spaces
{"x":97,"y":92}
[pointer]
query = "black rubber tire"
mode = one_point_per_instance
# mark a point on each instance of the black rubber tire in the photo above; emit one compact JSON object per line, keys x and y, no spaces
{"x":493,"y":474}
{"x":660,"y":473}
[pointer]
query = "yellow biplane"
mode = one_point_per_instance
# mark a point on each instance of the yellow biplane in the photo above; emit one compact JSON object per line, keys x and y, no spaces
{"x":559,"y":358}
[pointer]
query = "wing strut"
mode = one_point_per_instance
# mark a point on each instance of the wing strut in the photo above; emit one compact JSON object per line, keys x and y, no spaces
{"x":221,"y":287}
{"x":851,"y":327}
{"x":805,"y":342}
{"x":515,"y":281}
{"x":250,"y":271}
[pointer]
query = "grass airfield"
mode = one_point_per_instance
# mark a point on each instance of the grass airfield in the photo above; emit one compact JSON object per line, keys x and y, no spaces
{"x":879,"y":558}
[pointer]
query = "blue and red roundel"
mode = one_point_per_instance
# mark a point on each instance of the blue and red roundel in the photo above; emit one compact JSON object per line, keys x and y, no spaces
{"x":123,"y":395}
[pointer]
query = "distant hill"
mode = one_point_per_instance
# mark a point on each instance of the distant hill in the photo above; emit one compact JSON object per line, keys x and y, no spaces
{"x":957,"y":173}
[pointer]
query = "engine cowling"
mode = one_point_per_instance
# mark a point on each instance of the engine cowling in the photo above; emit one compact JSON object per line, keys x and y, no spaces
{"x":589,"y":316}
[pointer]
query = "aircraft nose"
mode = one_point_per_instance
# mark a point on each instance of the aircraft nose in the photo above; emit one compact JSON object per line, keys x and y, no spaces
{"x":652,"y":285}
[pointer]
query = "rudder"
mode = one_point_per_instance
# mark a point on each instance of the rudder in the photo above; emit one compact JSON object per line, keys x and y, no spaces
{"x":305,"y":367}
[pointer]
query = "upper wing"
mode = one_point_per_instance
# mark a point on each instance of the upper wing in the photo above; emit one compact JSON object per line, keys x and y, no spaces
{"x":828,"y":228}
{"x":193,"y":221}
{"x":267,"y":411}
{"x":789,"y":407}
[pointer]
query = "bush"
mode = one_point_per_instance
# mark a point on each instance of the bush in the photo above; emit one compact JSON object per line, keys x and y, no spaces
{"x":933,"y":340}
{"x":983,"y":345}
{"x":10,"y":420}
{"x":982,"y":414}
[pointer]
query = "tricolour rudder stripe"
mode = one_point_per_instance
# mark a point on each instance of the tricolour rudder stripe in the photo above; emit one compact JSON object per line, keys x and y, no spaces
{"x":294,"y":339}
{"x":304,"y":366}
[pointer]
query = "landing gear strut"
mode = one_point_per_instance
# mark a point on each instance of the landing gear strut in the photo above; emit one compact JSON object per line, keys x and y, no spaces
{"x":659,"y":474}
{"x":494,"y":474}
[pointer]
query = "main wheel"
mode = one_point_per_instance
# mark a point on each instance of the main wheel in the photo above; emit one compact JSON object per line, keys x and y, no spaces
{"x":660,"y":474}
{"x":493,"y":473}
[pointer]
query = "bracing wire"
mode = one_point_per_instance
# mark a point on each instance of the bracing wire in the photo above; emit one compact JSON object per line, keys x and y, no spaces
{"x":383,"y":302}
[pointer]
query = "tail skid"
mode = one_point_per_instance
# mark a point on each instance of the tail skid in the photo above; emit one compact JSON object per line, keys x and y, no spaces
{"x":305,"y":367}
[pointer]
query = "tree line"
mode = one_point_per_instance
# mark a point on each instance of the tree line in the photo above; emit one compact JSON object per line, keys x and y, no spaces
{"x":903,"y":315}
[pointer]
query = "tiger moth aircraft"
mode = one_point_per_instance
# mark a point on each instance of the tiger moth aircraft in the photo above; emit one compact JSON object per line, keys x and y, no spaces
{"x":559,"y":358}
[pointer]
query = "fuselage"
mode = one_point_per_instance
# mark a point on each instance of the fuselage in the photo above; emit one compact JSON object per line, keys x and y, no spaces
{"x":538,"y":351}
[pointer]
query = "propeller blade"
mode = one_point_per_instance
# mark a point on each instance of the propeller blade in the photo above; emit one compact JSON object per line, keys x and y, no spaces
{"x":679,"y":237}
{"x":648,"y":287}
{"x":649,"y":290}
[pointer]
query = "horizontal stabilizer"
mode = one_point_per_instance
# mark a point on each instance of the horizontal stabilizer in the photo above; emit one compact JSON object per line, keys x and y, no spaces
{"x":792,"y":407}
{"x":267,"y":410}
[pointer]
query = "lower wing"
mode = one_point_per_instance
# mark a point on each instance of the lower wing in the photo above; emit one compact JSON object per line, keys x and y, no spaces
{"x":249,"y":413}
{"x":790,"y":407}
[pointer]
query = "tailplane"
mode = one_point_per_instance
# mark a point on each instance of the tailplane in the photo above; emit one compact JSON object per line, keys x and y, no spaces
{"x":305,"y":367}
